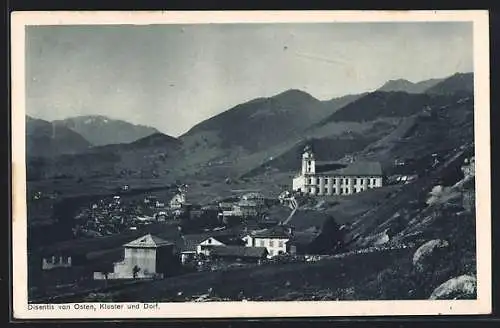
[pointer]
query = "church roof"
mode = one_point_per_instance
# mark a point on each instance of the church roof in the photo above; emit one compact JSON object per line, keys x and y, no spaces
{"x":148,"y":241}
{"x":356,"y":168}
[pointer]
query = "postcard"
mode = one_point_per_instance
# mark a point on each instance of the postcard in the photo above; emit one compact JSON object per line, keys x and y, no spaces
{"x":248,"y":164}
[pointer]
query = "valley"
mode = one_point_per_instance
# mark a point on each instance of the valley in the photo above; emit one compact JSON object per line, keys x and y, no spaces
{"x":421,"y":134}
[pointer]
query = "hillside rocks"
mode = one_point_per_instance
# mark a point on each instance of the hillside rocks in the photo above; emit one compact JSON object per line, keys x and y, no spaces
{"x":427,"y":253}
{"x":462,"y":287}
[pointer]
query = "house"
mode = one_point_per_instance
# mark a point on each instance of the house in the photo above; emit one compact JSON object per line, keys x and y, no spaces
{"x":306,"y":232}
{"x":255,"y":197}
{"x":247,"y":208}
{"x":239,"y":254}
{"x":206,"y":245}
{"x":226,"y":206}
{"x":229,"y":210}
{"x":331,"y":178}
{"x":161,"y":216}
{"x":178,"y":201}
{"x":144,"y":258}
{"x":200,"y":244}
{"x":468,"y":168}
{"x":274,"y":239}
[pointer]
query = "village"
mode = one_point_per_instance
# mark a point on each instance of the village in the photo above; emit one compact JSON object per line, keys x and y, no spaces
{"x":172,"y":237}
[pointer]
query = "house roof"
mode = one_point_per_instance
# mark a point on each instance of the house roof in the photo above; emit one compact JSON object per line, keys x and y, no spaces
{"x":240,"y":251}
{"x":188,"y":243}
{"x":249,"y":203}
{"x":274,"y":232}
{"x":252,"y":195}
{"x":226,"y":204}
{"x":148,"y":241}
{"x":352,"y":169}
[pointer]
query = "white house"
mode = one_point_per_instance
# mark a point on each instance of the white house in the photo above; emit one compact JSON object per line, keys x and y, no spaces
{"x":178,"y":201}
{"x":329,"y":178}
{"x":205,"y":246}
{"x":274,"y":240}
{"x":193,"y":245}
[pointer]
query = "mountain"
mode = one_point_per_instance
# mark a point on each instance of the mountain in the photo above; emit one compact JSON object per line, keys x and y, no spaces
{"x":459,"y":83}
{"x":402,"y":85}
{"x":386,"y":104}
{"x":247,"y":139}
{"x":143,"y":158}
{"x":101,"y":130}
{"x":261,"y":123}
{"x":47,"y":139}
{"x":154,"y":141}
{"x":256,"y":124}
{"x":337,"y":103}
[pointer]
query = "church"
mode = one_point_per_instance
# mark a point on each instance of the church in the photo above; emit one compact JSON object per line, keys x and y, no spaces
{"x":333,"y":178}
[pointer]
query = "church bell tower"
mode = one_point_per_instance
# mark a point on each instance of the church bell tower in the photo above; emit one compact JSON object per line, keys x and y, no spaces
{"x":308,"y":162}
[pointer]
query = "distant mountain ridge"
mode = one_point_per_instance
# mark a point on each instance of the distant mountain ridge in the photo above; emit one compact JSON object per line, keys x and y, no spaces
{"x":46,"y":139}
{"x":263,"y":122}
{"x":462,"y":83}
{"x":155,"y":140}
{"x":251,"y":134}
{"x":100,"y":130}
{"x":402,"y":85}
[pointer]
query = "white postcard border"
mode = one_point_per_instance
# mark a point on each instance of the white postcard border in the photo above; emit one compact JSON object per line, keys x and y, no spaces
{"x":482,"y":305}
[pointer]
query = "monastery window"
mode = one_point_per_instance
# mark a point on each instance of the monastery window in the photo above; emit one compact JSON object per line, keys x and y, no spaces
{"x":326,"y":180}
{"x":310,"y":181}
{"x":347,"y":190}
{"x":355,"y":181}
{"x":326,"y":191}
{"x":310,"y":190}
{"x":334,"y":180}
{"x":355,"y":190}
{"x":317,"y":180}
{"x":373,"y":181}
{"x":341,"y":191}
{"x":346,"y":181}
{"x":334,"y":190}
{"x":280,"y":243}
{"x":261,"y":243}
{"x":271,"y":243}
{"x":361,"y":189}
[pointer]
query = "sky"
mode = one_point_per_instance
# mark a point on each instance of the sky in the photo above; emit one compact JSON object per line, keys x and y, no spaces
{"x":172,"y":77}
